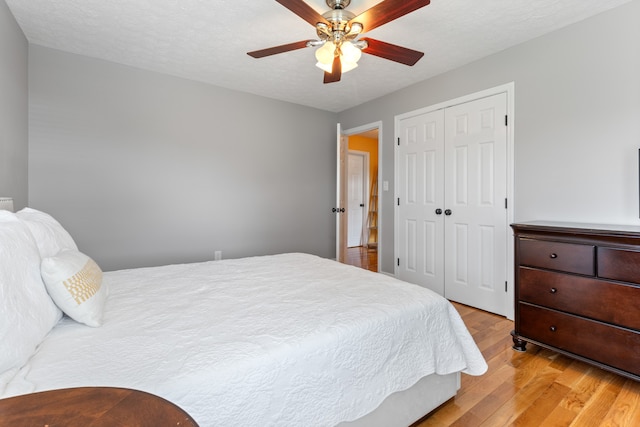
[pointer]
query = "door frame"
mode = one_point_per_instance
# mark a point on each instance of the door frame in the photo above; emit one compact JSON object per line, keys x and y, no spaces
{"x":366,"y":184}
{"x":355,"y":131}
{"x":341,"y":194}
{"x":509,"y":89}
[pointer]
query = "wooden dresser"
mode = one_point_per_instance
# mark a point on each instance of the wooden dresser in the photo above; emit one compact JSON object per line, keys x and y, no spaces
{"x":578,"y":292}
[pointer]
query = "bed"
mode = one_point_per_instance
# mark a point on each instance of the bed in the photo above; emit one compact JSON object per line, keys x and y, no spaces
{"x":289,"y":339}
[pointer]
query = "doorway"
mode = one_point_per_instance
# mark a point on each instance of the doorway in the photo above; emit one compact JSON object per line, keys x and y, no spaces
{"x":360,"y":245}
{"x":357,"y":197}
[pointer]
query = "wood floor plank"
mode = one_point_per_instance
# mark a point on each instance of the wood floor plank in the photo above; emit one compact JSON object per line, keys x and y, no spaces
{"x":498,"y":364}
{"x":532,"y":368}
{"x":584,"y":390}
{"x":521,"y":401}
{"x":561,"y":362}
{"x":597,"y":407}
{"x":574,"y":373}
{"x":495,"y":345}
{"x":487,"y":406}
{"x":466,"y":400}
{"x":561,"y":416}
{"x":625,"y":411}
{"x":362,"y":257}
{"x":539,"y":409}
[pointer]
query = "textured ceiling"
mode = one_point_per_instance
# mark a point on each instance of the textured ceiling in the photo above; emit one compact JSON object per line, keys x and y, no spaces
{"x":208,"y":40}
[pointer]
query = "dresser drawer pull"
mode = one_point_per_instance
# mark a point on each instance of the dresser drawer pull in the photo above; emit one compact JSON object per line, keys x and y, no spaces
{"x":553,"y":290}
{"x":552,"y":328}
{"x":553,"y":256}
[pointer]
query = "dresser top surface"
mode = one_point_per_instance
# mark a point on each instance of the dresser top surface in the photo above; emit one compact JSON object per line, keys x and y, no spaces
{"x":578,"y":227}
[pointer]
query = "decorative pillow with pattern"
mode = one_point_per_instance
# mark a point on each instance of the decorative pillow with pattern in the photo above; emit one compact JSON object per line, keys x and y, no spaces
{"x":74,"y":282}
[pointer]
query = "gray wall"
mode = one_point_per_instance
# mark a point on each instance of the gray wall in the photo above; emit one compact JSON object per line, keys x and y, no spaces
{"x":147,"y":169}
{"x":13,"y":109}
{"x":577,"y":120}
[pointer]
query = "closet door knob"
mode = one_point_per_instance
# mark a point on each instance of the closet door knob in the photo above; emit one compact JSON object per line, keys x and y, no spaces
{"x":438,"y":211}
{"x":553,"y":290}
{"x":447,"y":212}
{"x":553,"y":256}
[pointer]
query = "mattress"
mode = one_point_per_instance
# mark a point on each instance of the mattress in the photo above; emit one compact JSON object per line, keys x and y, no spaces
{"x":290,"y":339}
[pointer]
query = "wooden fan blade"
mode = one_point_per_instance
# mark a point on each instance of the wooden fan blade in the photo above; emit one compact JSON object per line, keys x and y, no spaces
{"x":336,"y":71}
{"x":304,"y":11}
{"x":278,"y":49}
{"x":387,"y":11}
{"x":392,"y":52}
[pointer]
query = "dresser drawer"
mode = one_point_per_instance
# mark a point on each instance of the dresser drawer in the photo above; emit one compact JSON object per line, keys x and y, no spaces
{"x":597,"y":299}
{"x":569,"y":257}
{"x":619,"y":264}
{"x":617,"y":347}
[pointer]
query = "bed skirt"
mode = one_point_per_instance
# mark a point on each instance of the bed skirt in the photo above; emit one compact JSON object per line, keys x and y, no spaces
{"x":403,"y":408}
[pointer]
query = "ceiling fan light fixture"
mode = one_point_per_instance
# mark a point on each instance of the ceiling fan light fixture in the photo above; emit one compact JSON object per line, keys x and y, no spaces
{"x":350,"y":53}
{"x":324,"y":67}
{"x":348,"y":66}
{"x":361,"y":44}
{"x":355,"y":29}
{"x":338,"y":30}
{"x":325,"y":53}
{"x":349,"y":56}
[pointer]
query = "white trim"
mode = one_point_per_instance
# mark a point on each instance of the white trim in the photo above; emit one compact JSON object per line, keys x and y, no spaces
{"x":362,"y":129}
{"x":509,"y":89}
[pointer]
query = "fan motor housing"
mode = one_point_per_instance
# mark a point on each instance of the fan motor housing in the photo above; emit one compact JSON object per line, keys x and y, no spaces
{"x":338,"y":4}
{"x":338,"y":16}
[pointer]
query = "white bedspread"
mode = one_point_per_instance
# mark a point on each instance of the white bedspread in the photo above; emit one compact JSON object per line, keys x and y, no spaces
{"x":284,"y":340}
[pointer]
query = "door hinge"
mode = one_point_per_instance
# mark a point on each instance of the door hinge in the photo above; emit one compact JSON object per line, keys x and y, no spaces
{"x":398,"y":262}
{"x":398,"y":141}
{"x":506,"y":120}
{"x":398,"y":201}
{"x":505,"y":286}
{"x":505,"y":203}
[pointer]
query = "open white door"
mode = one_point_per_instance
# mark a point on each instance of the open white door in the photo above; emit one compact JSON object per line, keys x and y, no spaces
{"x":341,"y":194}
{"x":357,"y":200}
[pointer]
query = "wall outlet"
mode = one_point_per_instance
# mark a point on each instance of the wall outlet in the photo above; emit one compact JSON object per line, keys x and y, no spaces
{"x":217,"y":255}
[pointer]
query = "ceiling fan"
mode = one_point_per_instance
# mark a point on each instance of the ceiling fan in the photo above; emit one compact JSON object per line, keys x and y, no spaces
{"x":338,"y":31}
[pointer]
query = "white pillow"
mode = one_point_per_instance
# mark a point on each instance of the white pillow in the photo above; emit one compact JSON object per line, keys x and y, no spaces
{"x":74,"y":281}
{"x":27,"y":313}
{"x":50,"y":236}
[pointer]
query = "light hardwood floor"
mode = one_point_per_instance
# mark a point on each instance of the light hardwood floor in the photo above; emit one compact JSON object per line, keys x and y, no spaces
{"x":362,"y":257}
{"x":536,"y":388}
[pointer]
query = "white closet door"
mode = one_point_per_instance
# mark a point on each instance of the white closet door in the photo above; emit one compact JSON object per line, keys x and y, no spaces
{"x":475,"y":193}
{"x":420,"y":161}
